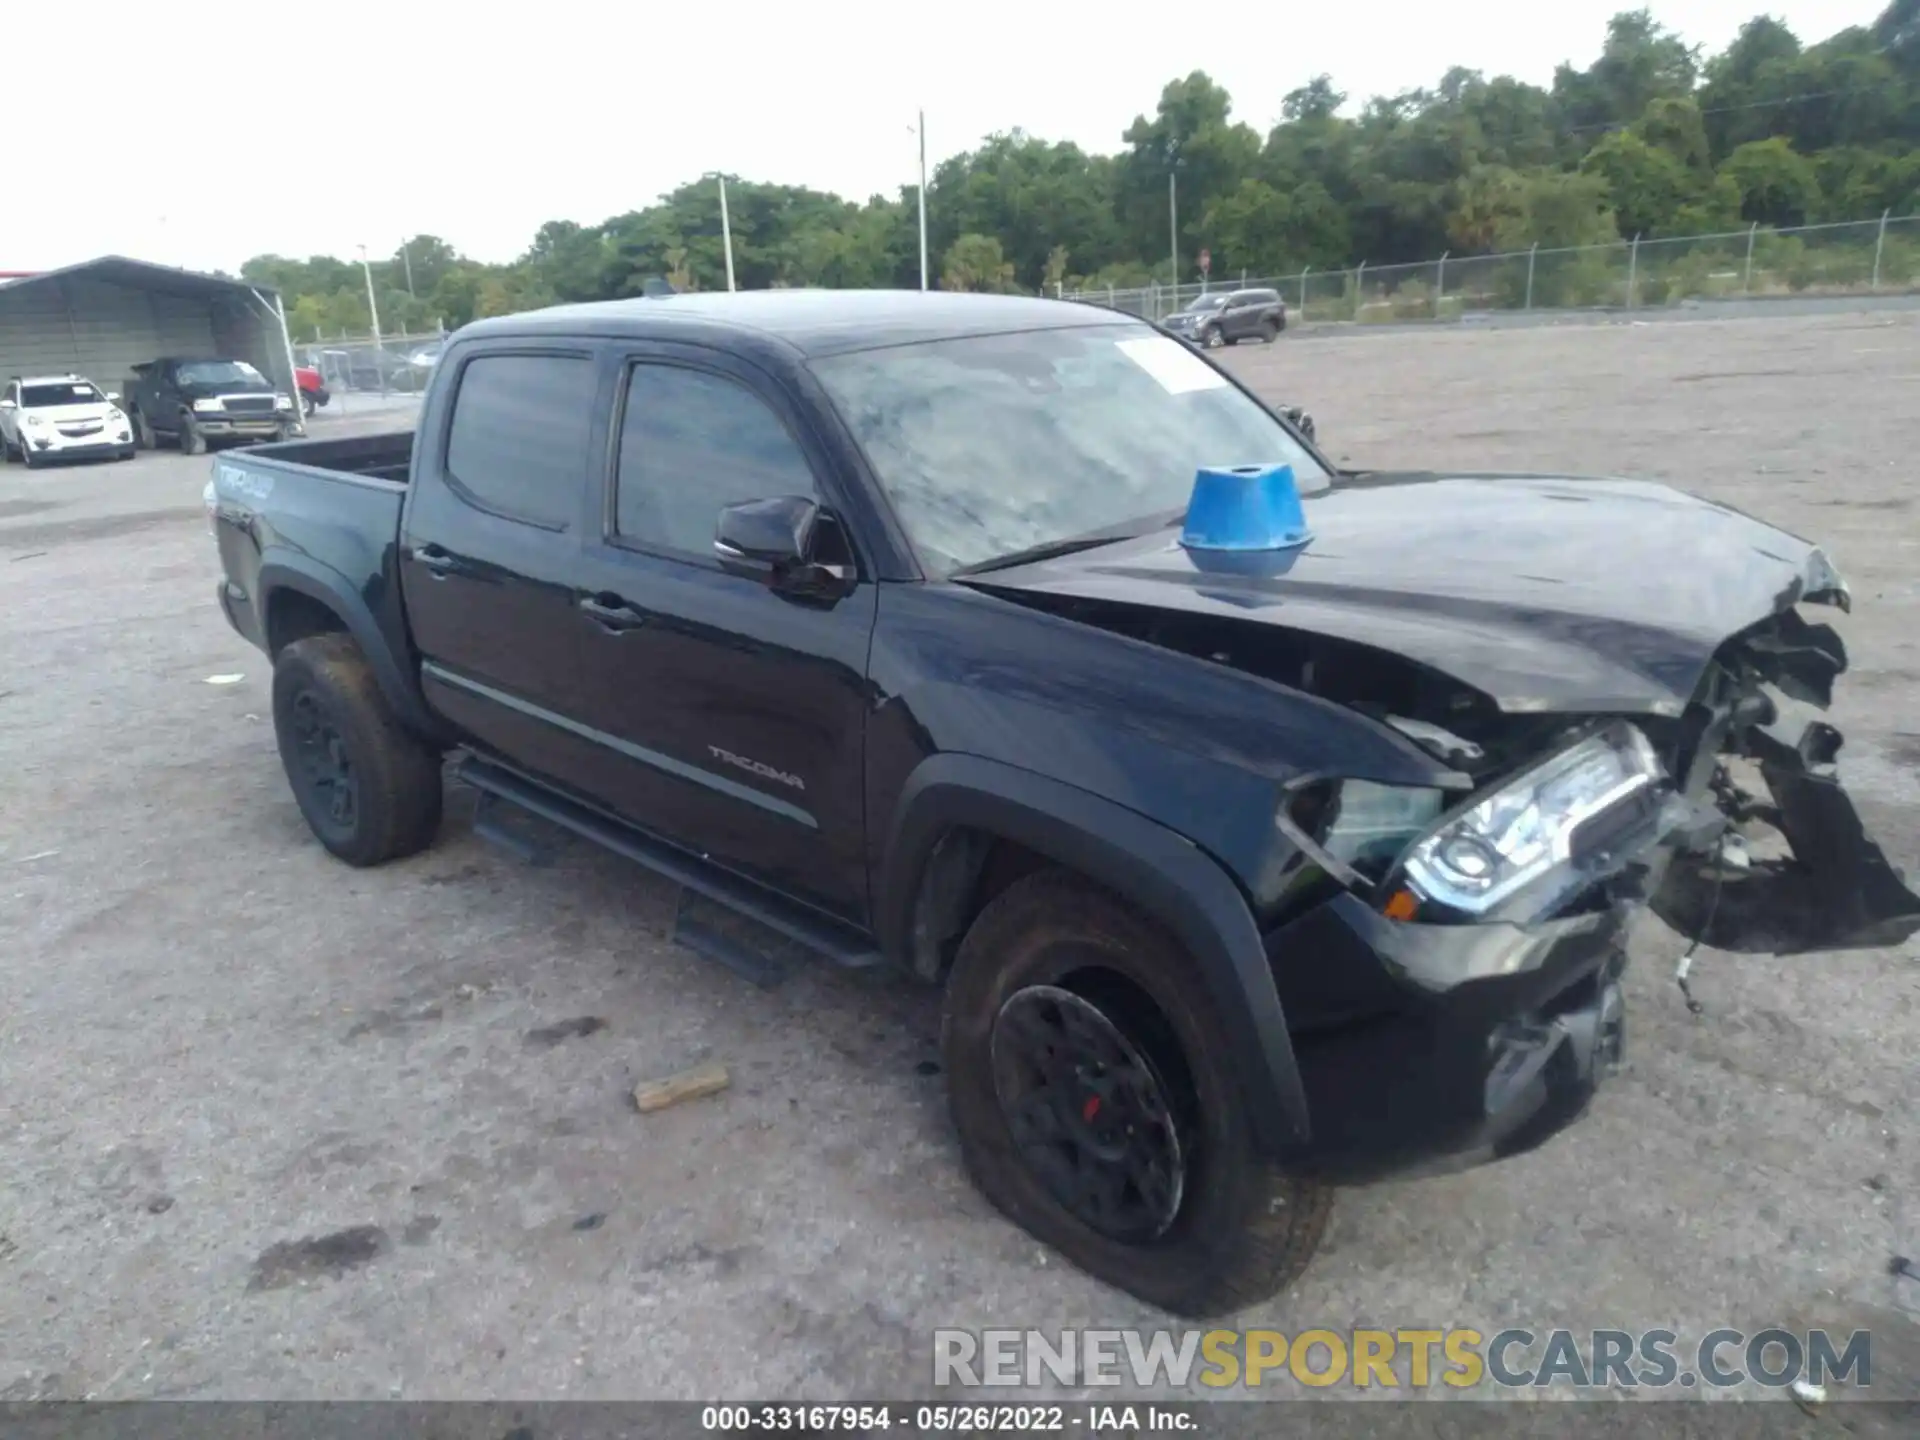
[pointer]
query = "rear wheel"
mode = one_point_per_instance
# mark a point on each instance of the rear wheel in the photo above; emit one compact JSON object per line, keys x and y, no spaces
{"x":1099,"y":1109}
{"x":370,"y":790}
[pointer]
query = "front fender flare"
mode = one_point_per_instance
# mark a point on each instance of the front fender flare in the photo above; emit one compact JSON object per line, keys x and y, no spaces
{"x":1161,"y":873}
{"x":307,"y":576}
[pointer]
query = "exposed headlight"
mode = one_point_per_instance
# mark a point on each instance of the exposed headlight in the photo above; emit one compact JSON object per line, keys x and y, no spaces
{"x":1527,"y":827}
{"x":212,"y":402}
{"x":281,"y":402}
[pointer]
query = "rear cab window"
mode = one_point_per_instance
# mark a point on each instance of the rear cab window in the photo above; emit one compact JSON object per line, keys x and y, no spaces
{"x":518,"y":442}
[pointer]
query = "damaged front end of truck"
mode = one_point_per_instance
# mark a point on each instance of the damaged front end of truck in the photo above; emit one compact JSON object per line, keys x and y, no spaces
{"x":1772,"y":856}
{"x":1614,"y":737}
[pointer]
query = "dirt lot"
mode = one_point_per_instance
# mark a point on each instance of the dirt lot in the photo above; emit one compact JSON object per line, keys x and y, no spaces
{"x":217,"y":1045}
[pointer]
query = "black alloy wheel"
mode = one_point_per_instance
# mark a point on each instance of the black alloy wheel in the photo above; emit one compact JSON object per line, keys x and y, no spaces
{"x":1088,"y":1113}
{"x":323,"y":768}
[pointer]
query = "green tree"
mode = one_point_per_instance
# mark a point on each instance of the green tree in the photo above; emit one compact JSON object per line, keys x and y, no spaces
{"x":1193,"y":138}
{"x":974,"y":262}
{"x":1777,"y":186}
{"x":1641,"y":61}
{"x":1646,"y":185}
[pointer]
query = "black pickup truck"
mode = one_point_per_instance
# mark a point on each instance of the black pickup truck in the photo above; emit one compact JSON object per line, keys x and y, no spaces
{"x":1250,"y":866}
{"x":195,"y":402}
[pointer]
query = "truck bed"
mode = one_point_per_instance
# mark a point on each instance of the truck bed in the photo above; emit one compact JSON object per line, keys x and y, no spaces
{"x":316,"y":523}
{"x":385,"y":456}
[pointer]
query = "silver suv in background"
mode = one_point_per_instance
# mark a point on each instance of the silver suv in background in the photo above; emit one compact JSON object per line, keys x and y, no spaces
{"x":1226,"y":317}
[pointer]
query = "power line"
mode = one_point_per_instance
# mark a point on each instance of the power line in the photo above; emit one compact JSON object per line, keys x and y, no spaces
{"x":1770,"y":104}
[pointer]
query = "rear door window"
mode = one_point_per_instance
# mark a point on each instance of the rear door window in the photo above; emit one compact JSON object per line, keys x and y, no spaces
{"x":520,"y":434}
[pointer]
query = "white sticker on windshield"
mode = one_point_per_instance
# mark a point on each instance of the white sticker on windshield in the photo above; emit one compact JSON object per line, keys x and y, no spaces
{"x":1177,"y":369}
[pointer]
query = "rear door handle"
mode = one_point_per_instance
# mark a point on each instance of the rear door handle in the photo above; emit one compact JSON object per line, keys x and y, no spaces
{"x":611,"y":613}
{"x":435,"y":560}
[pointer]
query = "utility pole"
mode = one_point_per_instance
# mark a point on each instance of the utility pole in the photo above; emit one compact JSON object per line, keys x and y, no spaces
{"x":406,"y":258}
{"x":921,"y":131}
{"x":373,"y":314}
{"x":726,"y":231}
{"x":1173,"y":233}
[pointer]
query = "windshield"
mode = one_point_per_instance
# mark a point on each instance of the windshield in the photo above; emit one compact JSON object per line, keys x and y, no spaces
{"x":69,"y":392}
{"x":997,"y":443}
{"x":218,"y":372}
{"x":1206,"y":303}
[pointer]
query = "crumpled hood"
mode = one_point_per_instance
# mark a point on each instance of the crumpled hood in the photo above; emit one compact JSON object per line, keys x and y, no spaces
{"x":1548,"y":594}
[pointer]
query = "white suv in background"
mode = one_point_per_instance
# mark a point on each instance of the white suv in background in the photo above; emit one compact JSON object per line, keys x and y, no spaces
{"x":61,"y":417}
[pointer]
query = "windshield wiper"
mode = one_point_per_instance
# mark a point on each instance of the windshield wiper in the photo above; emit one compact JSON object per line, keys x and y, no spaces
{"x":1072,"y":544}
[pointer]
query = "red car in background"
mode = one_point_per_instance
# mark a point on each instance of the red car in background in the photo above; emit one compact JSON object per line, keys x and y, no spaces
{"x":313,"y":389}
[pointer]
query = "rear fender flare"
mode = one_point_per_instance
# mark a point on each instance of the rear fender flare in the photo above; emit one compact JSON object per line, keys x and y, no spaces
{"x":330,"y":588}
{"x":1153,"y":868}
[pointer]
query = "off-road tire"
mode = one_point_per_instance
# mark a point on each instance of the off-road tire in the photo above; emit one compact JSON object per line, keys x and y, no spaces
{"x":398,"y":792}
{"x":192,"y":442}
{"x":1245,"y":1229}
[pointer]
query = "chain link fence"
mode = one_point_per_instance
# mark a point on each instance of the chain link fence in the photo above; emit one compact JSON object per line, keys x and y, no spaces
{"x":1850,"y":258}
{"x":364,"y":372}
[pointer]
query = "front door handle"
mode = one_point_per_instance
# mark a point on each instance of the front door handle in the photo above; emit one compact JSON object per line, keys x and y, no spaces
{"x":611,"y":613}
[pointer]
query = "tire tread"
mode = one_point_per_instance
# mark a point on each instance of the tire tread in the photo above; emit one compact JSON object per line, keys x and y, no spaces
{"x":401,"y":796}
{"x":1284,"y":1216}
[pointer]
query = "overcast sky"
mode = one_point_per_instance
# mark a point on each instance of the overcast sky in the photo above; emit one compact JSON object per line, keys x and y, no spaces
{"x":199,"y":138}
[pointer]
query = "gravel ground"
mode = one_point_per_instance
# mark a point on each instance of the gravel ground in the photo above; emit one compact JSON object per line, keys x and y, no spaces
{"x":218,"y":1046}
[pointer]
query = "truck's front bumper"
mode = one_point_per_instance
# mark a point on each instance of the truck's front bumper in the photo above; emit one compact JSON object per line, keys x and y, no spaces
{"x":251,"y":427}
{"x":1430,"y":1047}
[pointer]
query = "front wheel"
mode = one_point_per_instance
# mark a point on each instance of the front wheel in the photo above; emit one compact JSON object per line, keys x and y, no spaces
{"x":192,"y":442}
{"x":142,"y":432}
{"x":1270,"y":331}
{"x":369,"y":789}
{"x":1212,"y":338}
{"x":1098,"y":1107}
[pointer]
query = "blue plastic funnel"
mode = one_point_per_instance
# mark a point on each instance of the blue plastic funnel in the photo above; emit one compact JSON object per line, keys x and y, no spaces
{"x":1247,"y":508}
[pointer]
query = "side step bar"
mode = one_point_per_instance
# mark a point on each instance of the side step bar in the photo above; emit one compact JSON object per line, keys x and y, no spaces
{"x":839,"y":944}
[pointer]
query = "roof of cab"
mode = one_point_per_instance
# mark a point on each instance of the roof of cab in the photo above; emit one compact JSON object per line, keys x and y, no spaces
{"x":811,"y":322}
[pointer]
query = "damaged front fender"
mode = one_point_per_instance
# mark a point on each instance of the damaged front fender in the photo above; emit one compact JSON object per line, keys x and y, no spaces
{"x":1791,"y":870}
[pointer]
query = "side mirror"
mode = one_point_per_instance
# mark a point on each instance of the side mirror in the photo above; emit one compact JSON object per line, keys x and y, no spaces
{"x":6,"y":404}
{"x":779,"y":542}
{"x":113,"y":397}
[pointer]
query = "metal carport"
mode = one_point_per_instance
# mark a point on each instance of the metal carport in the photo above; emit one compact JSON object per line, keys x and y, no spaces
{"x":102,"y":317}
